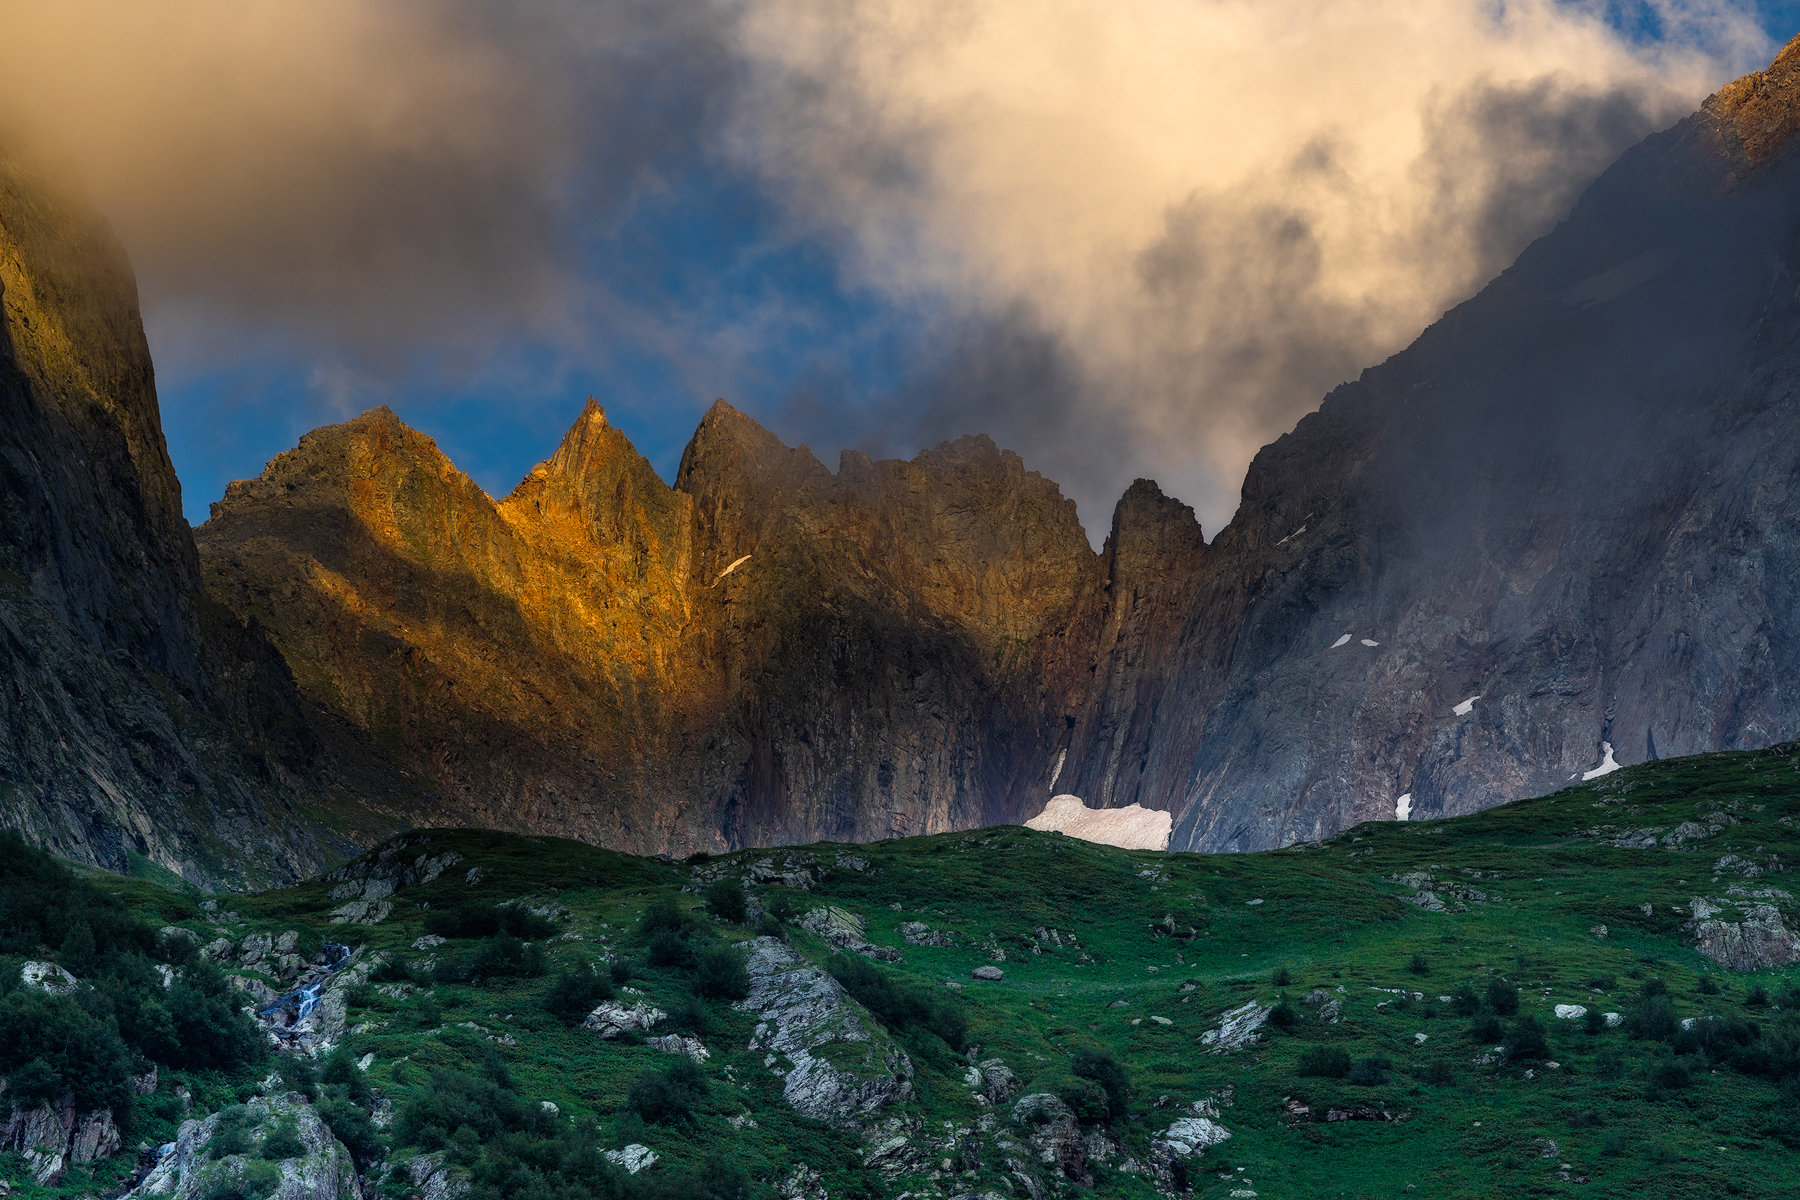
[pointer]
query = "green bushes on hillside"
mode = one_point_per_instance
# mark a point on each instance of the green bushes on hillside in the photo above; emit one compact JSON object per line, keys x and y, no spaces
{"x":485,"y":921}
{"x":904,"y":1008}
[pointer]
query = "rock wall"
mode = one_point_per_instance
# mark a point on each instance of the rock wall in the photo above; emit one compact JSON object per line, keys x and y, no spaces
{"x":139,"y":715}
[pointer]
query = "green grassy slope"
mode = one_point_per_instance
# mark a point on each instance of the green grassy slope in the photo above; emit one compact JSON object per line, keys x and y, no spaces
{"x":1098,"y":942}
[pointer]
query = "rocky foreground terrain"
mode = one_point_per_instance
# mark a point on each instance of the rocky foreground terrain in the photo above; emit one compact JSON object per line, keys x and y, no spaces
{"x":1553,"y":534}
{"x":1594,"y":993}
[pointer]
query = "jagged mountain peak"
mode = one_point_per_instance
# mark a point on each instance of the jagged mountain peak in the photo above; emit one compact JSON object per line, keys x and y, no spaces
{"x":1758,"y":113}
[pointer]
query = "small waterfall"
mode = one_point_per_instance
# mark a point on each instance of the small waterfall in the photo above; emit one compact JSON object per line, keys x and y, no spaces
{"x":303,"y":1000}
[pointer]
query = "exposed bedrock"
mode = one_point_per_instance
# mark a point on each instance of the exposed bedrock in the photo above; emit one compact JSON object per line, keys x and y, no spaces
{"x":1564,"y":518}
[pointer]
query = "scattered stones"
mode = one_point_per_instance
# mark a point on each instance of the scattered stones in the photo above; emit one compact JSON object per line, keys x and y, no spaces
{"x":1570,"y":1012}
{"x":987,"y":972}
{"x":918,"y":933}
{"x":1598,"y":931}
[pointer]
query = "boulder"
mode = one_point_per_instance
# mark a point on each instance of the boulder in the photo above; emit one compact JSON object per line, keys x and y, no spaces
{"x":1237,"y":1028}
{"x":1760,"y":941}
{"x":613,"y":1018}
{"x":1192,"y":1135}
{"x":841,"y":1066}
{"x":674,"y":1043}
{"x":48,"y":977}
{"x":987,"y":972}
{"x":633,"y":1158}
{"x":185,"y":1169}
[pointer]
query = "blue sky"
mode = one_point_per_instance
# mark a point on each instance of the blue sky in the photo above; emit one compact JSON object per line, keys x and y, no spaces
{"x":713,"y":256}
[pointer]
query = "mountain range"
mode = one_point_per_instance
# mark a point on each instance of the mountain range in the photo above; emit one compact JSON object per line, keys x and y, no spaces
{"x":1555,"y":534}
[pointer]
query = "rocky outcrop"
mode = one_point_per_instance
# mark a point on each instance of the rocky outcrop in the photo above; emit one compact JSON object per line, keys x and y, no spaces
{"x":189,"y":1167}
{"x":836,"y":1062}
{"x":1762,"y":939}
{"x":141,"y":717}
{"x":53,"y":1137}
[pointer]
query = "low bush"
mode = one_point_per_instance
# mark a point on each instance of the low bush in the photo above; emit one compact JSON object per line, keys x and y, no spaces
{"x":1109,"y":1073}
{"x":902,"y":1007}
{"x":1419,"y":965}
{"x":1329,"y":1062}
{"x":283,"y":1142}
{"x":231,"y":1133}
{"x":485,"y":921}
{"x":1371,"y":1071}
{"x":1486,"y":1029}
{"x":1708,"y":986}
{"x":1439,"y":1074}
{"x":1526,"y":1041}
{"x":1652,"y":1019}
{"x":1670,"y":1075}
{"x":1282,"y":977}
{"x":577,"y":993}
{"x":660,"y":1097}
{"x":1284,"y":1016}
{"x":1465,"y":1001}
{"x":722,"y":973}
{"x":725,"y":900}
{"x":1503,"y":997}
{"x":506,"y":957}
{"x":1757,"y":997}
{"x":249,"y":1180}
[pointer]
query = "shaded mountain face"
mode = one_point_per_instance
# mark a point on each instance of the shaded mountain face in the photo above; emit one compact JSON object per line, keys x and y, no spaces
{"x":1561,"y":521}
{"x":139,"y":716}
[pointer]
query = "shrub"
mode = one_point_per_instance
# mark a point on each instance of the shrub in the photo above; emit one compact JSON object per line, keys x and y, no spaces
{"x":900,"y":1006}
{"x":506,"y":957}
{"x":1440,"y":1074}
{"x":1282,"y":977}
{"x":1085,"y":1097}
{"x":1653,"y":987}
{"x":251,"y":1180}
{"x":725,"y":900}
{"x":1789,"y":996}
{"x":1603,"y":983}
{"x":1669,"y":1075}
{"x":351,"y":1125}
{"x":483,"y":920}
{"x":1371,"y":1071}
{"x":577,"y":993}
{"x":1486,"y":1028}
{"x":1526,"y":1042}
{"x":1594,"y":1022}
{"x":1503,"y":997}
{"x":1329,"y":1062}
{"x":1419,"y":965}
{"x":1718,"y":1038}
{"x":722,"y":973}
{"x":1757,"y":997}
{"x":231,"y":1132}
{"x":1284,"y":1016}
{"x":1708,"y":986}
{"x":283,"y":1142}
{"x":668,"y":948}
{"x":768,"y":925}
{"x":669,"y":1095}
{"x":339,"y":1070}
{"x":392,"y":970}
{"x":1109,"y":1073}
{"x":1652,"y":1018}
{"x":620,"y":970}
{"x":1465,"y":1001}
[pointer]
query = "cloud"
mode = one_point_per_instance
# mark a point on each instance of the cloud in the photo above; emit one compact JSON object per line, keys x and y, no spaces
{"x":368,"y":175}
{"x":1206,"y":214}
{"x":1123,"y":238}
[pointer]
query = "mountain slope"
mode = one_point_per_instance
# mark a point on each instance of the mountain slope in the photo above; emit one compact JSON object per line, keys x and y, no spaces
{"x":1573,"y":497}
{"x":1404,"y":1009}
{"x":141,"y":718}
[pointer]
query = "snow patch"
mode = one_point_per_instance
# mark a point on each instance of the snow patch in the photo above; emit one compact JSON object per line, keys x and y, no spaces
{"x":1343,"y":641}
{"x":1367,"y":642}
{"x":1130,"y":828}
{"x":1466,"y":707}
{"x":734,"y":566}
{"x":1607,"y":765}
{"x":1056,"y":771}
{"x":1403,"y":807}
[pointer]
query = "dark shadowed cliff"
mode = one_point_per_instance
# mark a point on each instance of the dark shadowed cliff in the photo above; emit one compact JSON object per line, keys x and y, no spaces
{"x":140,"y":717}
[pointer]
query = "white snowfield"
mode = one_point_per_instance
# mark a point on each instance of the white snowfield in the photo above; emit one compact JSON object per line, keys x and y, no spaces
{"x":1466,"y":707}
{"x":1343,"y":641}
{"x":1131,"y":828}
{"x":1607,"y":765}
{"x":1403,"y":807}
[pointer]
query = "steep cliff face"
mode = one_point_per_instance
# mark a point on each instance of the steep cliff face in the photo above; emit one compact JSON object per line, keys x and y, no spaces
{"x":765,"y":652}
{"x":1562,"y":520}
{"x":139,"y":716}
